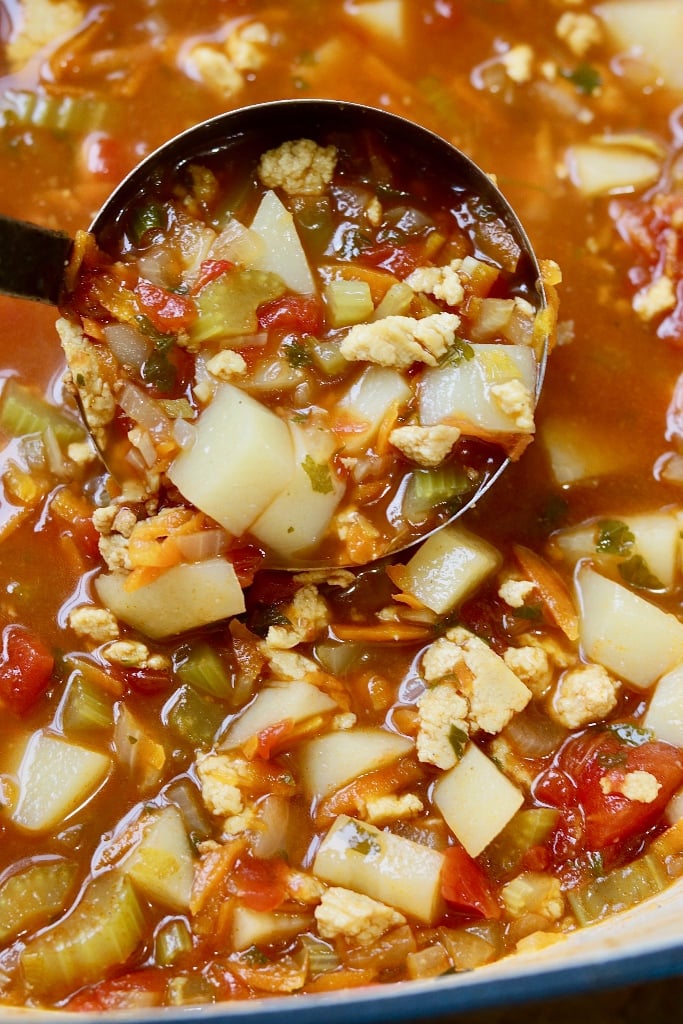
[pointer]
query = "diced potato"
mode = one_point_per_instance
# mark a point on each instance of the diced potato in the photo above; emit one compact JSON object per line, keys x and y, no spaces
{"x":462,"y":394}
{"x":184,"y":597}
{"x":280,"y":702}
{"x":655,"y":538}
{"x":162,"y":863}
{"x":328,"y":762}
{"x":55,"y":778}
{"x":367,"y":402}
{"x":284,"y":254}
{"x":574,"y":456}
{"x":448,"y":567}
{"x":653,"y":28}
{"x":298,"y":517}
{"x":622,"y":631}
{"x":384,"y":19}
{"x":665,"y":711}
{"x":240,"y":461}
{"x":476,"y":800}
{"x":599,"y":170}
{"x":396,"y":871}
{"x":262,"y":927}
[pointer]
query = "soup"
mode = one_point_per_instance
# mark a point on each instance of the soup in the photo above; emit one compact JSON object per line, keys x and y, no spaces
{"x":358,"y":776}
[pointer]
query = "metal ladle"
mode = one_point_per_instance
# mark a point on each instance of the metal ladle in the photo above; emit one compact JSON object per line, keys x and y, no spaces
{"x":33,"y":259}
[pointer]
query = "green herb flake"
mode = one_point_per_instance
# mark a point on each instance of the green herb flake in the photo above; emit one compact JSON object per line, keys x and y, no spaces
{"x":157,"y":370}
{"x":636,"y":571}
{"x":458,"y":740}
{"x":459,"y":351}
{"x":297,"y":355}
{"x":596,"y":864}
{"x":631,"y":735}
{"x":614,"y":538}
{"x":319,"y":474}
{"x":615,"y":759}
{"x":531,"y":612}
{"x":255,"y":957}
{"x":585,"y":77}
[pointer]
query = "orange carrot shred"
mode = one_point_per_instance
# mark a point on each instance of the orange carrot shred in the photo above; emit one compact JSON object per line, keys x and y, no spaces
{"x":552,"y":589}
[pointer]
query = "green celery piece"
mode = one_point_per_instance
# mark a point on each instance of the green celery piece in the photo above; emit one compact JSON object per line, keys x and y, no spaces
{"x":30,"y":898}
{"x":193,"y":717}
{"x":322,"y":957}
{"x":338,"y":657}
{"x":85,"y":706}
{"x":78,"y":114}
{"x":327,"y":358}
{"x":203,"y":669}
{"x":24,"y":412}
{"x":526,"y":829}
{"x":227,"y":307}
{"x":348,"y":302}
{"x":428,"y":488}
{"x":172,"y":942}
{"x":619,"y":889}
{"x":314,"y":222}
{"x":102,"y":932}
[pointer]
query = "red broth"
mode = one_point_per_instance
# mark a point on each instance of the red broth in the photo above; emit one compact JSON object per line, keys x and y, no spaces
{"x":272,"y":759}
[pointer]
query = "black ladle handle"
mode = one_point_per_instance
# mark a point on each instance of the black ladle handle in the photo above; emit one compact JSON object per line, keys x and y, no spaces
{"x":32,"y":260}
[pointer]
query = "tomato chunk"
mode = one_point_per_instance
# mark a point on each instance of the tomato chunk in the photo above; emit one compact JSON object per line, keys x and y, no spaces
{"x":25,"y":669}
{"x":165,"y":310}
{"x":261,"y":884}
{"x":597,"y":764}
{"x":298,"y":312}
{"x":209,"y":270}
{"x":464,"y":884}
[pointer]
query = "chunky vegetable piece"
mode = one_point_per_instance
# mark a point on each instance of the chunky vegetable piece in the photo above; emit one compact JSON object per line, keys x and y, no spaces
{"x":220,"y":782}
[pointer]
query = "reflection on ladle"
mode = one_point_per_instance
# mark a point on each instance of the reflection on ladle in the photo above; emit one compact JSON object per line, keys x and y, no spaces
{"x":238,"y":447}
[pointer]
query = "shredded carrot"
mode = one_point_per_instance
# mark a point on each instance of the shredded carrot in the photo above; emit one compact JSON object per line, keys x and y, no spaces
{"x":552,"y":589}
{"x":386,"y":426}
{"x":141,"y":577}
{"x":353,"y":797}
{"x":70,"y":506}
{"x":279,"y":736}
{"x":345,"y":977}
{"x":410,"y":600}
{"x":382,"y":632}
{"x":213,"y":872}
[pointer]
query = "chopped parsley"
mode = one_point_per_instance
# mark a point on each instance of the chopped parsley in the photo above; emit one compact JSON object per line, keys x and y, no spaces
{"x":585,"y":77}
{"x":319,"y":474}
{"x":532,"y":612}
{"x":456,"y":353}
{"x":159,"y":371}
{"x":614,"y":538}
{"x":297,"y":355}
{"x":458,"y":740}
{"x":631,"y":735}
{"x":636,"y":571}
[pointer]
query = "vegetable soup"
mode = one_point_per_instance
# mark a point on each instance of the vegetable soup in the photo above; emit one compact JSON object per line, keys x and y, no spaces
{"x":223,"y":782}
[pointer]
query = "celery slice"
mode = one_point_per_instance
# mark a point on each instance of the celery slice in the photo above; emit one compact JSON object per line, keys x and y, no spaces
{"x":528,"y":828}
{"x":202,"y":667}
{"x":327,"y":357}
{"x":102,"y":932}
{"x":396,"y":302}
{"x":620,"y":889}
{"x":427,"y":488}
{"x":172,"y":942}
{"x":32,"y":897}
{"x":322,"y":957}
{"x":227,"y":307}
{"x":348,"y":302}
{"x":85,"y":706}
{"x":79,"y":114}
{"x":193,"y":717}
{"x":24,"y":412}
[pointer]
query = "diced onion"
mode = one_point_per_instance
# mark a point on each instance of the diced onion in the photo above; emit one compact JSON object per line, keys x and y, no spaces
{"x":130,"y":347}
{"x":271,"y":837}
{"x":145,"y":445}
{"x":196,"y":547}
{"x":143,"y":409}
{"x":155,"y":267}
{"x":184,"y":433}
{"x":238,"y":244}
{"x":53,"y":453}
{"x":276,"y":375}
{"x":533,"y":734}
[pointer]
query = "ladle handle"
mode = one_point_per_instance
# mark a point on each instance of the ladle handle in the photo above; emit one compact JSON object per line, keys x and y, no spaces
{"x":32,"y":260}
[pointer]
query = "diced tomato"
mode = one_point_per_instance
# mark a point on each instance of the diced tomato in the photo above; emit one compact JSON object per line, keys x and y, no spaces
{"x":209,"y":270}
{"x":261,"y":884}
{"x":105,"y":157}
{"x":166,"y":311}
{"x":464,"y":884}
{"x":86,"y":536}
{"x":145,"y":680}
{"x":302,"y":313}
{"x":400,"y":260}
{"x":132,"y":991}
{"x":610,"y":754}
{"x":25,"y":669}
{"x":271,"y":737}
{"x":246,"y":561}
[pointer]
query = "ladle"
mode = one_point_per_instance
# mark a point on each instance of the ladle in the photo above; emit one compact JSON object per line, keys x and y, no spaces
{"x":33,"y":259}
